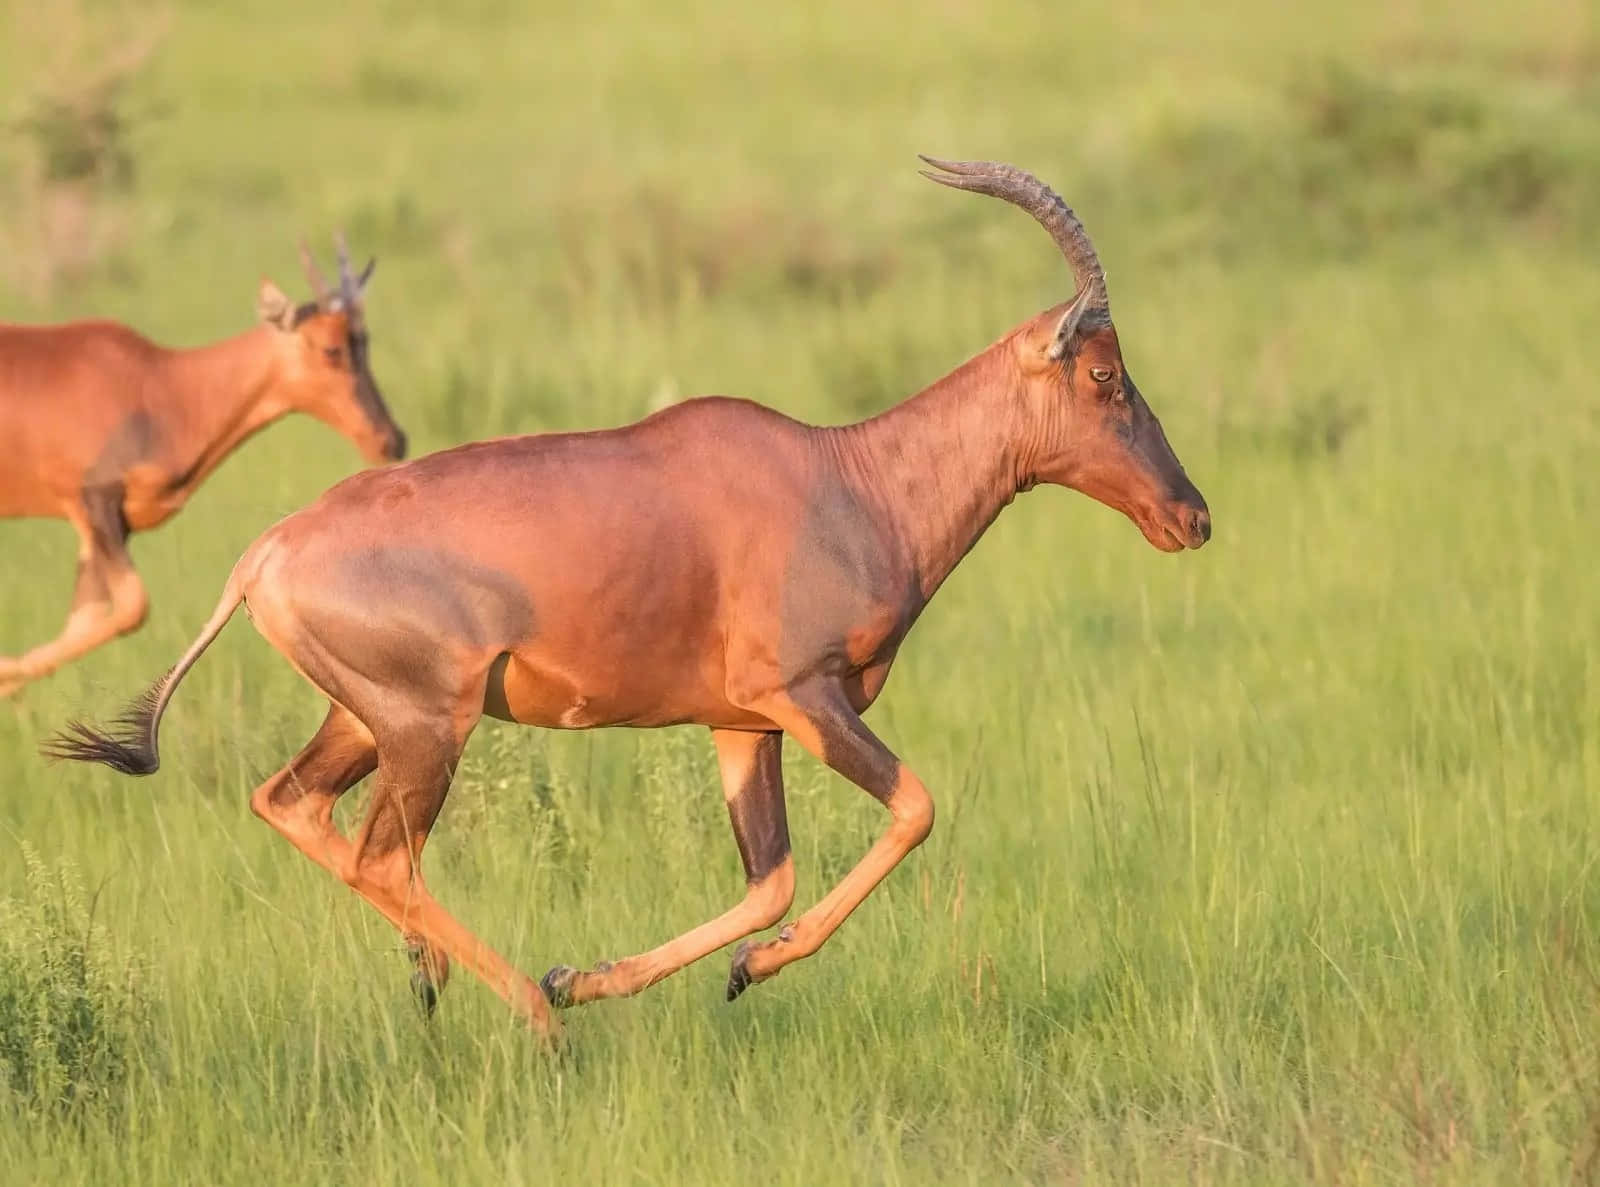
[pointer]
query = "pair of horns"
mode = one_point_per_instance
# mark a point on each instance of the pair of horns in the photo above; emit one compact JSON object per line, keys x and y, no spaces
{"x":347,"y":297}
{"x":1023,"y":189}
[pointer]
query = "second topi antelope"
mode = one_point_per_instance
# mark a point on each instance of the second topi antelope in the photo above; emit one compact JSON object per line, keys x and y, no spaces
{"x":107,"y":430}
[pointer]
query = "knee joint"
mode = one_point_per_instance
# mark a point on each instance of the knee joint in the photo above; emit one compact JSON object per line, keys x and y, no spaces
{"x":352,"y":871}
{"x":912,"y":808}
{"x":390,"y":871}
{"x":772,"y":897}
{"x":130,"y":607}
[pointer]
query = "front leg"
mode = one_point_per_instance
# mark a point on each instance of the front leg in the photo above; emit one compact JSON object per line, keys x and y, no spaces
{"x":752,"y":783}
{"x":821,"y":718}
{"x":108,"y":599}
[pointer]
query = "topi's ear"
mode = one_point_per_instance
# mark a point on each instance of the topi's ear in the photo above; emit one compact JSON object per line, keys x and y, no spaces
{"x":273,"y":307}
{"x":1067,"y":327}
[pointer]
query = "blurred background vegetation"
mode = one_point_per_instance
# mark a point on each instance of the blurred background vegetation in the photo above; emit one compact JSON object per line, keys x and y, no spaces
{"x":1272,"y":863}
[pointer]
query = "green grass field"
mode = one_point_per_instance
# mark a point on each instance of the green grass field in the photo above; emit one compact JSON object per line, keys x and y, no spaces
{"x":1271,"y":863}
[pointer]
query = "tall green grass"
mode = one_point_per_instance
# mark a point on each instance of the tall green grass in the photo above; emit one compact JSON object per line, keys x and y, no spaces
{"x":1270,"y":863}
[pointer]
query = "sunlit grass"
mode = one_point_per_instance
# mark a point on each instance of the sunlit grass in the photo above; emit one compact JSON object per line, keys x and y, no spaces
{"x":1269,"y":863}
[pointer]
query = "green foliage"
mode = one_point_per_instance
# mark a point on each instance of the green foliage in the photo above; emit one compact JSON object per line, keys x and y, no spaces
{"x":1347,"y":159}
{"x":82,"y":139}
{"x":67,"y":155}
{"x":70,"y":1012}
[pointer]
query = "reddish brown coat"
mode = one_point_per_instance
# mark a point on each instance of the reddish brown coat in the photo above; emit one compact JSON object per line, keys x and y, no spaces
{"x":717,"y":563}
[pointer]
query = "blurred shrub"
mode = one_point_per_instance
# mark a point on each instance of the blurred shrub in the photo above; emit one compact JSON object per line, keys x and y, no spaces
{"x":397,"y":221}
{"x":69,"y":1012}
{"x":1352,"y":158}
{"x":387,"y":84}
{"x":1319,"y":427}
{"x":81,"y":136}
{"x":72,"y":139}
{"x":663,"y":251}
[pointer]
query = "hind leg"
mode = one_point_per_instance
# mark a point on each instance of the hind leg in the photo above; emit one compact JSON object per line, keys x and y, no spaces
{"x":107,"y":600}
{"x":298,"y":801}
{"x":383,"y":864}
{"x":401,"y":656}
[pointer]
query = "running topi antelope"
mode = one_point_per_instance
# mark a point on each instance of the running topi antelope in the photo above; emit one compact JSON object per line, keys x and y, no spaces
{"x":716,"y":564}
{"x":113,"y":433}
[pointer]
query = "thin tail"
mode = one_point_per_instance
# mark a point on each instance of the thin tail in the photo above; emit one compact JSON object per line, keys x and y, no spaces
{"x":128,"y":744}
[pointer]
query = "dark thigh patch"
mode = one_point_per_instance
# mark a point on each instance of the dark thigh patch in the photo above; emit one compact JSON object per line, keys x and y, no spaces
{"x":102,"y":507}
{"x":438,"y":594}
{"x":135,"y":440}
{"x":406,"y":617}
{"x":757,"y":811}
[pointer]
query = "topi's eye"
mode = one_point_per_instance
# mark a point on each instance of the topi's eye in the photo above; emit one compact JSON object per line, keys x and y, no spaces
{"x":333,"y":354}
{"x":1100,"y":374}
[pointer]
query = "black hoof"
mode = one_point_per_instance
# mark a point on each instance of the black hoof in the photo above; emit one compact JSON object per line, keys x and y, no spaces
{"x":739,"y":974}
{"x":426,"y":980}
{"x":426,"y":992}
{"x":557,"y":985}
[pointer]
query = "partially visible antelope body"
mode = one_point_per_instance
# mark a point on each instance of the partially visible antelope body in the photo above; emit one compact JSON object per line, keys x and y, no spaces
{"x":103,"y":428}
{"x":717,"y":563}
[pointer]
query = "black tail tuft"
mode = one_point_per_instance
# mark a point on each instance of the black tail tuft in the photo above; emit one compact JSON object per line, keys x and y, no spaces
{"x":127,"y":745}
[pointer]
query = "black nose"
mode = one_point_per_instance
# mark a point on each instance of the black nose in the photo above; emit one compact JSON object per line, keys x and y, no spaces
{"x":396,"y":447}
{"x":1199,"y":526}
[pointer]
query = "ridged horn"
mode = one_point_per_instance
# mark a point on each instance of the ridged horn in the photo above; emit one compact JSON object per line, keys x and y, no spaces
{"x":1021,"y":188}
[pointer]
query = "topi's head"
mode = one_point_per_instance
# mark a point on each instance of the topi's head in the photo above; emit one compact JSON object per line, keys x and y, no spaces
{"x":323,"y":365}
{"x":1090,"y":426}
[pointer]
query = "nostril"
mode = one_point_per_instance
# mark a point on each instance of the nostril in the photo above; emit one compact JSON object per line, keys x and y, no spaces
{"x":397,"y":445}
{"x":1200,"y":524}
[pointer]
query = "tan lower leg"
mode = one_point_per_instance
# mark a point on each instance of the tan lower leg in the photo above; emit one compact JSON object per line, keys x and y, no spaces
{"x":308,"y":826}
{"x":763,"y":905}
{"x":322,"y":844}
{"x":390,"y":885}
{"x":90,"y":625}
{"x":298,"y":800}
{"x":912,"y":809}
